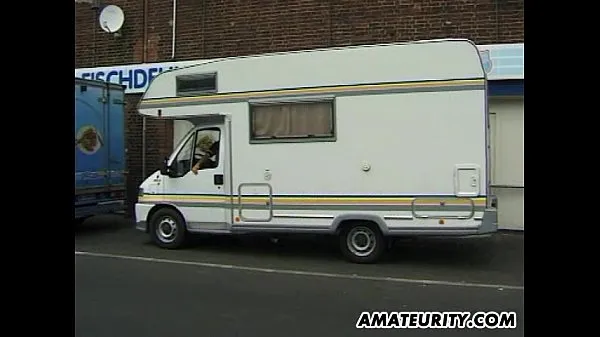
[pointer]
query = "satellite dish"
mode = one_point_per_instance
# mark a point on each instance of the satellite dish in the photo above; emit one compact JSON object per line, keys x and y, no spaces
{"x":111,"y":18}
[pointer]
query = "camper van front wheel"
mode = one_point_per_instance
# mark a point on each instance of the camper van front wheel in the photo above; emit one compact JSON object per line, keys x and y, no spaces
{"x":362,"y":243}
{"x":167,"y":228}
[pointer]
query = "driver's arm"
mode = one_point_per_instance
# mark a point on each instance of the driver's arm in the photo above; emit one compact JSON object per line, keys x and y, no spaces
{"x":201,"y":162}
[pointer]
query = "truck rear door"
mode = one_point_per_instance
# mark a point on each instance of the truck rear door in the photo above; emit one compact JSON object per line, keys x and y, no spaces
{"x":91,"y":152}
{"x":115,"y":132}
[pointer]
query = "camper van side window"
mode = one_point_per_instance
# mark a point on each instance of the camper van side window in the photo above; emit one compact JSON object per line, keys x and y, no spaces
{"x":206,"y":151}
{"x":198,"y":84}
{"x":301,"y":121}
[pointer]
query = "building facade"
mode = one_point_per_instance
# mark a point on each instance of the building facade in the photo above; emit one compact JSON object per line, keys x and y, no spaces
{"x":159,"y":34}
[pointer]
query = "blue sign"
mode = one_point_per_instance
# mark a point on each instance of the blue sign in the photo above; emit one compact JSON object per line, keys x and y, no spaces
{"x":503,"y":61}
{"x":135,"y":78}
{"x":487,"y":61}
{"x":132,"y":78}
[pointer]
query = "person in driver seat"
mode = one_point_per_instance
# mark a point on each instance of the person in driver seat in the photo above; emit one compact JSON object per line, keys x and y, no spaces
{"x":210,"y":149}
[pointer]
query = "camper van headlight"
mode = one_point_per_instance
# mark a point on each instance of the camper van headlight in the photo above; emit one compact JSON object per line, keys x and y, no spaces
{"x":140,"y":192}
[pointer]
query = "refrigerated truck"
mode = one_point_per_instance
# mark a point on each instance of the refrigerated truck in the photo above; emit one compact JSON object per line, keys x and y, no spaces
{"x":365,"y":142}
{"x":99,"y":148}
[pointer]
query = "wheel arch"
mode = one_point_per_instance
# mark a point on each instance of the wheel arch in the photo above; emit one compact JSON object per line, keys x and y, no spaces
{"x":344,"y":220}
{"x":157,"y":208}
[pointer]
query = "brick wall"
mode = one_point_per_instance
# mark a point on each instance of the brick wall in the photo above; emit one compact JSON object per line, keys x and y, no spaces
{"x":215,"y":28}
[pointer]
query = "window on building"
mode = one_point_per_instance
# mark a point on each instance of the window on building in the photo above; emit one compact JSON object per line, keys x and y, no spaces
{"x":298,"y":121}
{"x":197,"y":84}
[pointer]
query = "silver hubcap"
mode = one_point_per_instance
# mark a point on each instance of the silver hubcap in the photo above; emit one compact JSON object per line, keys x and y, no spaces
{"x":361,"y":241}
{"x":166,"y":230}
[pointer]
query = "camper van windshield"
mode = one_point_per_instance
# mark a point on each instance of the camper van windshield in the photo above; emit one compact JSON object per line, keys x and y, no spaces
{"x":179,"y":144}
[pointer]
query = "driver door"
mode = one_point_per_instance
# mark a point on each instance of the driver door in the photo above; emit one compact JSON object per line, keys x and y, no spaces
{"x":200,"y":196}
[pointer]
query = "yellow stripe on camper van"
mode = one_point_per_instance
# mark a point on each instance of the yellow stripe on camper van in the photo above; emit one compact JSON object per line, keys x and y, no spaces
{"x":316,"y":90}
{"x":314,"y":200}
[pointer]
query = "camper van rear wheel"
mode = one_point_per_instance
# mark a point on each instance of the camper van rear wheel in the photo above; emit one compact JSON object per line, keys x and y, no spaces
{"x":167,"y":228}
{"x":362,"y":243}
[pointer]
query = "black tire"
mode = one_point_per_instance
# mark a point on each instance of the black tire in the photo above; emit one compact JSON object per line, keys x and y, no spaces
{"x":162,"y":224}
{"x":371,"y":253}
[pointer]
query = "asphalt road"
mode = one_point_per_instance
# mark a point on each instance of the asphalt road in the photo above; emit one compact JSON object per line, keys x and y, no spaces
{"x":232,"y":287}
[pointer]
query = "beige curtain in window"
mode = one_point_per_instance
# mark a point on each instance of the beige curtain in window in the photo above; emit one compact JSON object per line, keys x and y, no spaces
{"x":292,"y":120}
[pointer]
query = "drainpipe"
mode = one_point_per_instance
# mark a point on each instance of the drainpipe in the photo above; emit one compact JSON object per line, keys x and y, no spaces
{"x":497,"y":10}
{"x":174,"y":25}
{"x":96,"y":9}
{"x":143,"y":147}
{"x":203,"y":26}
{"x":330,"y":10}
{"x":145,"y":42}
{"x":144,"y":60}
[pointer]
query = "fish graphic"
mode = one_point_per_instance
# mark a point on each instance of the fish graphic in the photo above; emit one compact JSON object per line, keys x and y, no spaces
{"x":89,"y":140}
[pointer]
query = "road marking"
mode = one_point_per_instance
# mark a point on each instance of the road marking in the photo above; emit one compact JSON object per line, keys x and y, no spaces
{"x":302,"y":273}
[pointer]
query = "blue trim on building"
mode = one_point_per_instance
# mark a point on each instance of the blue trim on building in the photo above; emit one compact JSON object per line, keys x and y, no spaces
{"x":501,"y":88}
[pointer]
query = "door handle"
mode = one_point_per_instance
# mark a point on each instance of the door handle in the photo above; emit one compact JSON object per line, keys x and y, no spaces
{"x":218,"y":179}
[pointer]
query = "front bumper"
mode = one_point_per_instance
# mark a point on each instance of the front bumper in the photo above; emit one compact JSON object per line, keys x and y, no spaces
{"x":142,"y":226}
{"x":141,"y":216}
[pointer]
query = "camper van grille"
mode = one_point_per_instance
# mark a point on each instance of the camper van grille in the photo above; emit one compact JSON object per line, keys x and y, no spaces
{"x":197,"y":84}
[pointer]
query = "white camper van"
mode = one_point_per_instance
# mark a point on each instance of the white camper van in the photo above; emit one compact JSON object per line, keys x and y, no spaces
{"x":365,"y":142}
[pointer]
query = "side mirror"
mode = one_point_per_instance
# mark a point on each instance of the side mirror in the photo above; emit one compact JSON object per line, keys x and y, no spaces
{"x":164,"y":169}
